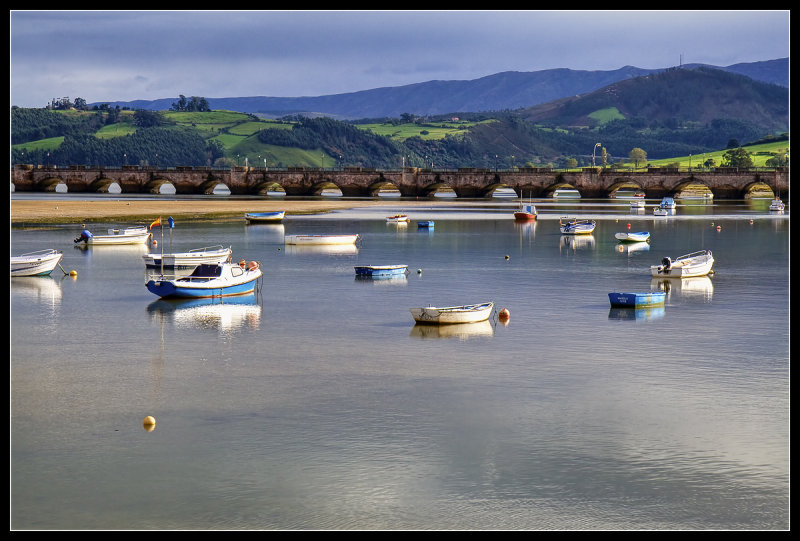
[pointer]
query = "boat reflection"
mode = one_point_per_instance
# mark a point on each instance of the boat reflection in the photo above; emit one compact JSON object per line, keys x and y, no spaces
{"x":637,"y":314}
{"x":697,"y":287}
{"x":38,"y":289}
{"x":632,"y":247}
{"x":576,"y":242}
{"x":269,"y":233}
{"x":388,"y":280}
{"x":225,"y":314}
{"x":324,"y":249}
{"x":462,"y":331}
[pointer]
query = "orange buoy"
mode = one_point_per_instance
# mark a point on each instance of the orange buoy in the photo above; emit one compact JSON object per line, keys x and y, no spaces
{"x":253,"y":265}
{"x":243,"y":263}
{"x":155,"y":242}
{"x":504,"y":314}
{"x":629,"y":226}
{"x":719,"y":228}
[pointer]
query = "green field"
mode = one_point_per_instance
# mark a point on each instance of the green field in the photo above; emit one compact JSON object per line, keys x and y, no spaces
{"x":401,"y":132}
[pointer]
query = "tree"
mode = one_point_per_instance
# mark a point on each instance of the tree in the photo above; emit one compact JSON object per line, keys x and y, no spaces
{"x":737,"y":157}
{"x":637,"y":155}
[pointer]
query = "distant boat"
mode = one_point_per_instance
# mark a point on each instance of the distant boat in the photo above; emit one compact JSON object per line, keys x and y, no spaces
{"x":566,"y":192}
{"x":525,"y":213}
{"x":633,"y":237}
{"x":777,"y":205}
{"x":636,"y":300}
{"x":320,"y":239}
{"x":192,"y":258}
{"x":468,"y":313}
{"x":265,"y":217}
{"x":667,"y":203}
{"x":379,"y":271}
{"x":221,"y":280}
{"x":426,"y":223}
{"x":686,"y":266}
{"x":637,"y":204}
{"x":659,"y":211}
{"x":39,"y":263}
{"x":573,"y":226}
{"x":126,"y":235}
{"x":398,"y":218}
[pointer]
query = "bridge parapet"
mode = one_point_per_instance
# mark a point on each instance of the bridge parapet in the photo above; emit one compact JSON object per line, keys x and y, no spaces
{"x":356,"y":181}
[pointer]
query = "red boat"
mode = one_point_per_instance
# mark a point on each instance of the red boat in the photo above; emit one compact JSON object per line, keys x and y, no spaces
{"x":525,"y":213}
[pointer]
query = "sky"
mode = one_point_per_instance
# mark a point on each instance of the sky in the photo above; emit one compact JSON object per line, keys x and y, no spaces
{"x":104,"y":56}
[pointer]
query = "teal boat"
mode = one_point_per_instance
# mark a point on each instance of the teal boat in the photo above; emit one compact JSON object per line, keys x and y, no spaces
{"x":636,"y":300}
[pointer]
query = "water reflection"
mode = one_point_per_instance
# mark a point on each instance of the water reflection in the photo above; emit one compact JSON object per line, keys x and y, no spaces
{"x":637,"y":314}
{"x":391,"y":280}
{"x":698,"y":287}
{"x":632,"y":247}
{"x":576,"y":242}
{"x":269,"y":233}
{"x":39,"y":289}
{"x":225,"y":314}
{"x":462,"y":331}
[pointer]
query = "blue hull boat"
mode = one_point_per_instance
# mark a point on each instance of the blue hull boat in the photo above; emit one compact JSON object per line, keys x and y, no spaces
{"x":426,"y":223}
{"x":381,"y":271}
{"x":207,"y":280}
{"x":637,"y":300}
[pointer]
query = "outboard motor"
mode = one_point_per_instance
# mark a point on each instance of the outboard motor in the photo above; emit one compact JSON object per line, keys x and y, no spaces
{"x":85,"y":235}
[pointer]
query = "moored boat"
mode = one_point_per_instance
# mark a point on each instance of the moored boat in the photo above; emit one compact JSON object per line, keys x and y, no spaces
{"x":398,"y":218}
{"x":426,"y":223}
{"x":667,"y":203}
{"x":468,"y":313}
{"x":693,"y":264}
{"x":659,"y":211}
{"x":526,"y":213}
{"x":40,"y":263}
{"x":636,"y":300}
{"x":265,"y":217}
{"x":206,"y":280}
{"x":310,"y":240}
{"x":125,"y":235}
{"x":639,"y":236}
{"x":566,"y":192}
{"x":192,"y":258}
{"x":637,"y":203}
{"x":378,"y":271}
{"x":572,"y":226}
{"x":777,"y":205}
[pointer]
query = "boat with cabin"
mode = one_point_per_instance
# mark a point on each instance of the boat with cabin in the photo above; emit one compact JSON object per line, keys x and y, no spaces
{"x":218,"y":280}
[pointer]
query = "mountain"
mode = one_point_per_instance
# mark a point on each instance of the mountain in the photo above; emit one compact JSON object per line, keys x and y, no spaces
{"x":501,"y":91}
{"x":678,"y":96}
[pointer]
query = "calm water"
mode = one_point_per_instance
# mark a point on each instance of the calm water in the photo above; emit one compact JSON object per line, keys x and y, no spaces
{"x":318,"y":404}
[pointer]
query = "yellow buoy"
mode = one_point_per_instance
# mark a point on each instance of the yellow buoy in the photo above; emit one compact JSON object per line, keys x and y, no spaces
{"x":149,"y":423}
{"x":73,"y":273}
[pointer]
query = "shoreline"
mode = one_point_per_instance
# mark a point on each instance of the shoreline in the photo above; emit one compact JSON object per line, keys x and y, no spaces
{"x":58,"y":211}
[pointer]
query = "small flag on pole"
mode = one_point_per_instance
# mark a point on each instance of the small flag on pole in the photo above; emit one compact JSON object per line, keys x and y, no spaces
{"x":171,"y":222}
{"x":156,"y":223}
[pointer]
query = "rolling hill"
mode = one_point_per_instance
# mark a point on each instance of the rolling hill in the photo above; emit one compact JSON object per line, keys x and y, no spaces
{"x":498,"y":92}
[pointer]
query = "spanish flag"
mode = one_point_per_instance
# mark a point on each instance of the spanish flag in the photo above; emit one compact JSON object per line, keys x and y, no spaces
{"x":156,"y":223}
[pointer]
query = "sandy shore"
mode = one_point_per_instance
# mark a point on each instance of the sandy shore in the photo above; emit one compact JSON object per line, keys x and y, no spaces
{"x":72,"y":210}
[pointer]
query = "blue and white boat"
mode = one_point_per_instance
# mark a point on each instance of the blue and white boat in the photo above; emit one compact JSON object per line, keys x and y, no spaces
{"x":636,"y":300}
{"x":667,"y":203}
{"x":39,"y":263}
{"x":640,"y":236}
{"x":265,"y":217}
{"x":381,"y":271}
{"x":573,"y":226}
{"x":207,"y":280}
{"x":425,"y":223}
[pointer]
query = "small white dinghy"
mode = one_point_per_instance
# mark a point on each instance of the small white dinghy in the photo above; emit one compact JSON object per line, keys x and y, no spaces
{"x":640,"y":236}
{"x":689,"y":265}
{"x":317,"y":240}
{"x":39,"y":263}
{"x":468,"y":313}
{"x":125,"y":235}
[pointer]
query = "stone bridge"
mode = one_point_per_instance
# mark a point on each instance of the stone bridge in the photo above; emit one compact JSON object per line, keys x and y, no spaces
{"x":724,"y":183}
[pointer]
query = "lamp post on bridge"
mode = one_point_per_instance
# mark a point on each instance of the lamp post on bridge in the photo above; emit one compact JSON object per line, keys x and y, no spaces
{"x":593,"y":150}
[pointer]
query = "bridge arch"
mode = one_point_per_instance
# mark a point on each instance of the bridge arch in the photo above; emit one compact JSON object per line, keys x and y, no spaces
{"x":53,"y":184}
{"x":318,"y":188}
{"x":488,"y":192}
{"x":374,"y":189}
{"x":160,"y":185}
{"x":105,"y":185}
{"x":548,"y":191}
{"x":758,"y":189}
{"x":692,"y":187}
{"x":622,"y":184}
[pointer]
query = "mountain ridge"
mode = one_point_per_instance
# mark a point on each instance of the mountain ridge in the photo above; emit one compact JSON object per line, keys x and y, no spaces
{"x":506,"y":90}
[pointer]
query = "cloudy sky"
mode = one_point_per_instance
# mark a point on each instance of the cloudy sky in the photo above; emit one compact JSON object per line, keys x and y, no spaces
{"x":126,"y":55}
